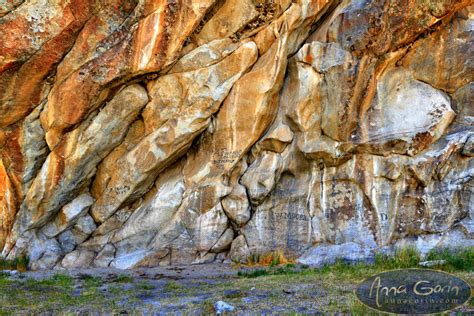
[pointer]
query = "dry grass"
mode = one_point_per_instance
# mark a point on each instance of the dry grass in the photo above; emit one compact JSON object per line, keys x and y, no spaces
{"x":20,"y":264}
{"x":269,"y":259}
{"x":328,"y":290}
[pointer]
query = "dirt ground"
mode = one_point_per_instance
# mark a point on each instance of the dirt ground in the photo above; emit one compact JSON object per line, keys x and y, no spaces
{"x":184,"y":290}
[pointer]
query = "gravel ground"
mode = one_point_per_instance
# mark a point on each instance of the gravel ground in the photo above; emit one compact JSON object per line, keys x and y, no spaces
{"x":181,"y":290}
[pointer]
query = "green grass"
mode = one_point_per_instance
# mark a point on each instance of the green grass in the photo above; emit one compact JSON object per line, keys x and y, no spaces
{"x":58,"y":293}
{"x":20,"y":263}
{"x":172,"y":286}
{"x":339,"y":280}
{"x":144,"y":285}
{"x":402,"y":259}
{"x":456,"y":260}
{"x":289,"y":268}
{"x":329,"y":289}
{"x":55,"y":293}
{"x":357,"y":308}
{"x":58,"y":280}
{"x":91,"y":281}
{"x":122,"y":278}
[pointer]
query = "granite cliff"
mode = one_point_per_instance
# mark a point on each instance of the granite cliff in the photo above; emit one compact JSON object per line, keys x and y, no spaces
{"x":155,"y":132}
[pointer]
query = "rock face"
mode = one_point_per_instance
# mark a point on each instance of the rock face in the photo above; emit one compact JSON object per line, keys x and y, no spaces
{"x":143,"y":133}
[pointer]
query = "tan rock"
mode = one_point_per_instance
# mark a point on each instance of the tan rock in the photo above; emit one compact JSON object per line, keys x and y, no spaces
{"x":138,"y":168}
{"x":224,"y":241}
{"x":209,"y":257}
{"x":303,"y":103}
{"x":296,"y":20}
{"x":261,"y":177}
{"x":154,"y":215}
{"x":276,"y":139}
{"x":107,"y":166}
{"x":208,"y":131}
{"x":146,"y":46}
{"x":428,"y":57}
{"x":197,"y":205}
{"x":230,"y":18}
{"x":73,"y":162}
{"x":299,"y":97}
{"x":321,"y":148}
{"x":462,"y":100}
{"x":375,"y":27}
{"x":239,"y":251}
{"x":104,"y":257}
{"x":346,"y":214}
{"x":236,"y":205}
{"x":245,"y":115}
{"x":114,"y":222}
{"x":100,"y":33}
{"x":208,"y":229}
{"x":335,"y":89}
{"x":195,"y":227}
{"x":204,"y":84}
{"x":7,"y":7}
{"x":446,"y":175}
{"x":77,"y":259}
{"x":282,"y":221}
{"x":205,"y":55}
{"x":68,"y":215}
{"x":424,"y":111}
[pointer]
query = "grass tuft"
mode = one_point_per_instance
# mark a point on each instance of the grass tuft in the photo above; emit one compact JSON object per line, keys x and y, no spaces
{"x":61,"y":280}
{"x":461,"y":259}
{"x":123,"y":278}
{"x":208,"y":308}
{"x":357,"y":308}
{"x":91,"y":281}
{"x":20,"y":263}
{"x":144,"y":285}
{"x":289,"y":268}
{"x":253,"y":273}
{"x":271,"y":259}
{"x":172,"y":286}
{"x":403,"y":258}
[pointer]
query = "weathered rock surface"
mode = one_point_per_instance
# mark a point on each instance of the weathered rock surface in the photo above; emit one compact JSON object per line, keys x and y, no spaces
{"x":424,"y":111}
{"x":350,"y":252}
{"x":7,"y":204}
{"x":34,"y":39}
{"x":181,"y":108}
{"x":68,"y":215}
{"x":151,"y":39}
{"x":230,"y":18}
{"x":72,"y":163}
{"x":145,"y":133}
